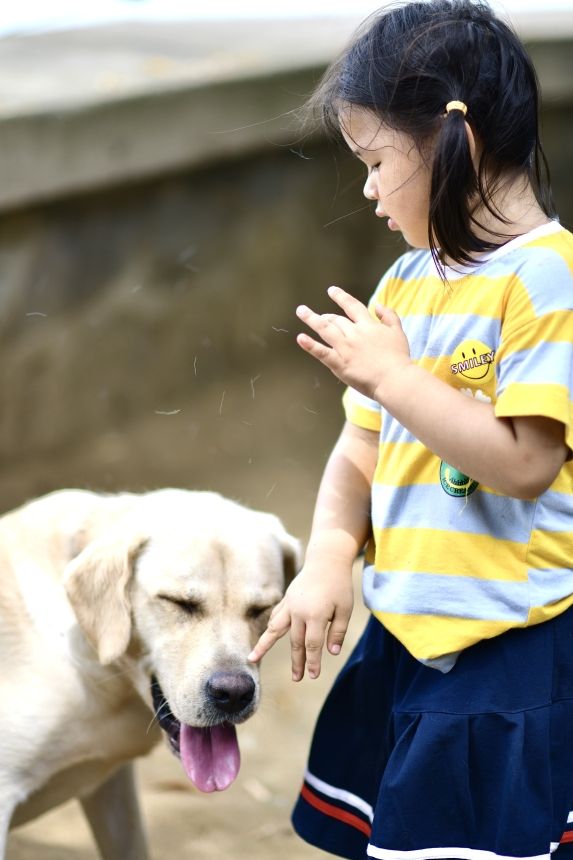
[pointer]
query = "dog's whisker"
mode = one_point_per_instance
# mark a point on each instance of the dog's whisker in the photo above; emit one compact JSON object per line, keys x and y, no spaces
{"x":163,"y":706}
{"x":150,"y":725}
{"x":158,"y":701}
{"x":164,"y":710}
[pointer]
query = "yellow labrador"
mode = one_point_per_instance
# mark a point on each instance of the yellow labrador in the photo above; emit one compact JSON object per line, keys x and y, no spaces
{"x":113,"y":609}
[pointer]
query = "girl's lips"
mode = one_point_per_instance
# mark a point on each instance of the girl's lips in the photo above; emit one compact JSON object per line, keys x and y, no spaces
{"x":392,"y":225}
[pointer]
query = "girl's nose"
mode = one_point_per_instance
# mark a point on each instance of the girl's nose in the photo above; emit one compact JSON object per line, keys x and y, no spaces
{"x":370,"y":190}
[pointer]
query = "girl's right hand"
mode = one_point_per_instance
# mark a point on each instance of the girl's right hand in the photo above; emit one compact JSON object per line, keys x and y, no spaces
{"x":321,"y":595}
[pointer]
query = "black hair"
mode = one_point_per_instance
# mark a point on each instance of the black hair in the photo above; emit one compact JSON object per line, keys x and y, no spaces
{"x":405,"y":65}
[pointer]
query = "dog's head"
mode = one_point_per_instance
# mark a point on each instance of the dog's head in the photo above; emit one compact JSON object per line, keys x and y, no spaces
{"x":184,"y":583}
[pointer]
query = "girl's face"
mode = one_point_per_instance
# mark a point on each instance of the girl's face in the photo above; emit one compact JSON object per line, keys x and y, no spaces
{"x":398,"y":177}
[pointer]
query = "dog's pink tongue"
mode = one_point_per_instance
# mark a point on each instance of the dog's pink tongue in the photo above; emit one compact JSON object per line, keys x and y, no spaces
{"x":210,"y":757}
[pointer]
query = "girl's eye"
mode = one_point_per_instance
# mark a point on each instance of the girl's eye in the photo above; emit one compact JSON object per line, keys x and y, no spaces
{"x":373,"y":167}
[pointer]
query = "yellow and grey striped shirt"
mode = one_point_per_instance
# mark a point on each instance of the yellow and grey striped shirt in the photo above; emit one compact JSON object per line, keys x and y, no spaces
{"x":453,"y":562}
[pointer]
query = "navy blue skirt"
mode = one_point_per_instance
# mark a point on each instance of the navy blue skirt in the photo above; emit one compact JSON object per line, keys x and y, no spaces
{"x":408,"y":763}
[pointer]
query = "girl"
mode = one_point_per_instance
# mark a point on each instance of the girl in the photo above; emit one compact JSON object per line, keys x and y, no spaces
{"x":449,"y":733}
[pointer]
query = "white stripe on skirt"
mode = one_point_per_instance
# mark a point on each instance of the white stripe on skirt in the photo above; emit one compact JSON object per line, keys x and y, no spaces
{"x":440,"y":853}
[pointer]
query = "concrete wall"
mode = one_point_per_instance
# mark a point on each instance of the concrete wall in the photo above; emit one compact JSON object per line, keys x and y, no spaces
{"x":148,"y":333}
{"x":147,"y":317}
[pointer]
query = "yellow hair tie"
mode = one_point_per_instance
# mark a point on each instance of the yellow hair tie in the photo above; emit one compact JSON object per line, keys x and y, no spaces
{"x":456,"y":106}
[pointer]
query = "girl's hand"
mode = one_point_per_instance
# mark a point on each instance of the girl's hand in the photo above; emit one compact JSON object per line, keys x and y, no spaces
{"x":360,"y":350}
{"x":321,"y":595}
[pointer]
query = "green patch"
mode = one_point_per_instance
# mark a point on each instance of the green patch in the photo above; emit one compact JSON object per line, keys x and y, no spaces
{"x":454,"y":482}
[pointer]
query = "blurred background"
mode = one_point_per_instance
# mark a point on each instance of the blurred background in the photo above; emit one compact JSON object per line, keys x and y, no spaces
{"x":161,"y":216}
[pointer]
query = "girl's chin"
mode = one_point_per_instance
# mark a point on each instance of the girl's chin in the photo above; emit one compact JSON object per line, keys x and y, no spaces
{"x":411,"y":239}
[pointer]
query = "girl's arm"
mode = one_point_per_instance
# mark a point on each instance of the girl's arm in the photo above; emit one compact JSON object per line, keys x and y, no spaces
{"x":322,"y":594}
{"x":519,"y":457}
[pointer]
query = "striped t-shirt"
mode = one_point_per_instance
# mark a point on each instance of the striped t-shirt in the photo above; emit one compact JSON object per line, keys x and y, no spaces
{"x":453,"y":562}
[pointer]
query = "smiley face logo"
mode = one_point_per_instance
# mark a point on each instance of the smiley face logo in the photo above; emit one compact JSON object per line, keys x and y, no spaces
{"x":473,"y":360}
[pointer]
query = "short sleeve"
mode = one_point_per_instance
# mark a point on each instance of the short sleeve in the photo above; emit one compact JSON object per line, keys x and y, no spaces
{"x":535,"y":356}
{"x":362,"y":411}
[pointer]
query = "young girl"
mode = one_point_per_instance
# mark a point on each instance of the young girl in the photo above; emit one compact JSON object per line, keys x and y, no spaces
{"x":449,"y":733}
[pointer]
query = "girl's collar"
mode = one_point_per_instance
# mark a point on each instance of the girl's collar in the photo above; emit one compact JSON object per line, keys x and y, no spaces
{"x":454,"y":274}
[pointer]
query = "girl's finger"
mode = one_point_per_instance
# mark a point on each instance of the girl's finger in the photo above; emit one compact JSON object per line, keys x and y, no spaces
{"x":352,"y":307}
{"x":297,"y":649}
{"x":327,"y":356}
{"x":387,"y":316}
{"x":314,"y":643}
{"x":276,"y":609}
{"x":276,"y":629}
{"x":308,"y":316}
{"x":318,"y":350}
{"x":322,"y":324}
{"x":343,"y":324}
{"x":337,"y":632}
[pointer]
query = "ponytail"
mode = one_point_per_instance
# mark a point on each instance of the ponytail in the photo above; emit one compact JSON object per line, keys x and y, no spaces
{"x":453,"y":184}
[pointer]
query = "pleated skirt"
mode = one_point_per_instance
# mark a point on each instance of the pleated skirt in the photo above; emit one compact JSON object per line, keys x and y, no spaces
{"x":408,"y":763}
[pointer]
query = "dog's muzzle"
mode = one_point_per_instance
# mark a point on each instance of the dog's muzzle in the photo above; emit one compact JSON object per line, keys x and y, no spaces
{"x":210,"y":753}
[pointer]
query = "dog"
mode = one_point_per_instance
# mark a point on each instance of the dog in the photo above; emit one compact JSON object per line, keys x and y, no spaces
{"x":124,"y":617}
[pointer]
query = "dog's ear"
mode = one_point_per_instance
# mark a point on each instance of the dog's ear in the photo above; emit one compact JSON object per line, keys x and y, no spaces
{"x":292,"y":557}
{"x":96,"y":582}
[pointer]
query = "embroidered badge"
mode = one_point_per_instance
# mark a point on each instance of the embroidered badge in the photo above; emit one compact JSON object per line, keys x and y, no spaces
{"x":454,"y":482}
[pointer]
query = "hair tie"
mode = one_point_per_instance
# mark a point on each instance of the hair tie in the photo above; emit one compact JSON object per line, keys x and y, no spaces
{"x":456,"y":106}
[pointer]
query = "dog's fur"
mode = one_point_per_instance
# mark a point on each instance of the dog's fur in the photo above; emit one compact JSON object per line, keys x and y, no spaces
{"x":98,"y":596}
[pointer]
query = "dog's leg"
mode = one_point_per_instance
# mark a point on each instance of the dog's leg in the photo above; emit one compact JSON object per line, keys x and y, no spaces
{"x":6,"y":810}
{"x":113,"y":814}
{"x":3,"y":835}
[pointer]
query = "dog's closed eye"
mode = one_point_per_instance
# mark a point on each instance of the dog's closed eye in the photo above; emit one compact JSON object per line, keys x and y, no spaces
{"x":253,"y":613}
{"x":191,"y":607}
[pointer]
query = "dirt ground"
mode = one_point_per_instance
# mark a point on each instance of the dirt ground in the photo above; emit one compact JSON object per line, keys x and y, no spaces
{"x":249,"y":820}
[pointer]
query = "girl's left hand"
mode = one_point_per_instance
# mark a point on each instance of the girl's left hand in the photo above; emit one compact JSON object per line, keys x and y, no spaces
{"x":360,"y":350}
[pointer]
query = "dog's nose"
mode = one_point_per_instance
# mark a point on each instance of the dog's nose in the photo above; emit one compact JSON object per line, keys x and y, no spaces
{"x":231,"y":691}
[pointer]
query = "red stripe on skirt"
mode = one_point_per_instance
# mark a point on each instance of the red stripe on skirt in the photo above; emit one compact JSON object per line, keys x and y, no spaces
{"x":335,"y":811}
{"x":567,"y":837}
